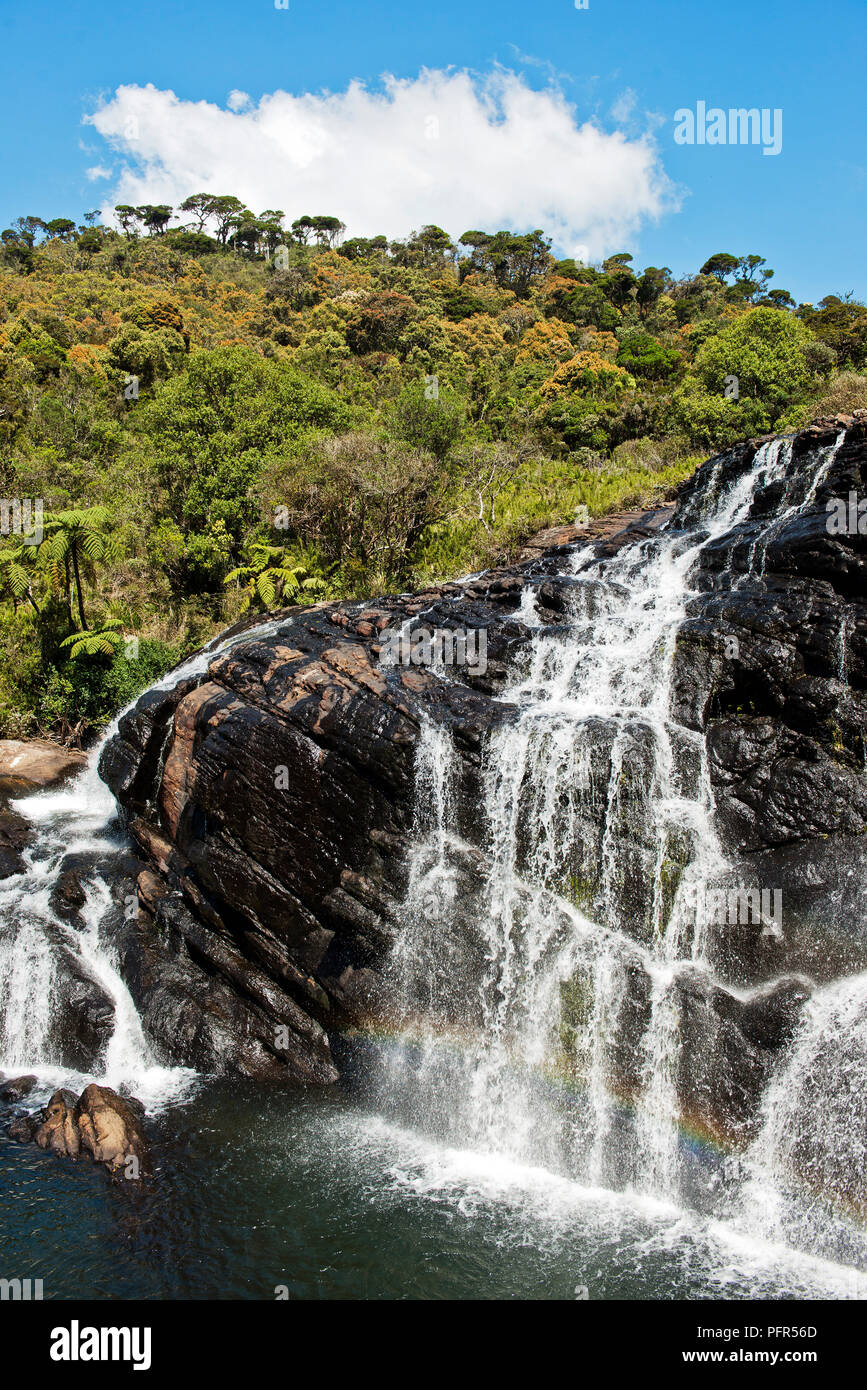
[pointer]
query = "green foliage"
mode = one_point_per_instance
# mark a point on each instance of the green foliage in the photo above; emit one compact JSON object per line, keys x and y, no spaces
{"x":148,"y":354}
{"x":428,"y":417}
{"x":38,"y":347}
{"x":271,"y":577}
{"x":644,"y":356}
{"x":842,"y":325}
{"x":763,"y":352}
{"x":76,"y":541}
{"x":363,"y":503}
{"x":514,"y":261}
{"x":86,"y":694}
{"x":103,"y":642}
{"x":211,"y":431}
{"x":321,"y":416}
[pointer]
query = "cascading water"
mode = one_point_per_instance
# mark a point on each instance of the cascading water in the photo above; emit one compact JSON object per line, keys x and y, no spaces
{"x":37,"y":945}
{"x":804,"y":1173}
{"x":520,"y":1031}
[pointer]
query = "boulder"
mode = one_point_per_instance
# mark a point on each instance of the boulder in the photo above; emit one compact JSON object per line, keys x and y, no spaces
{"x":15,"y":835}
{"x":31,"y":764}
{"x":17,"y":1088}
{"x":68,"y":895}
{"x":110,"y":1130}
{"x":58,"y":1132}
{"x":100,"y":1123}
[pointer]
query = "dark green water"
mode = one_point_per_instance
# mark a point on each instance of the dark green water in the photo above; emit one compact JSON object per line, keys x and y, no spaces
{"x":318,"y":1194}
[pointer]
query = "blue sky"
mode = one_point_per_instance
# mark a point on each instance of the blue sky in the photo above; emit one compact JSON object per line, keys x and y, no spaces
{"x":624,"y":65}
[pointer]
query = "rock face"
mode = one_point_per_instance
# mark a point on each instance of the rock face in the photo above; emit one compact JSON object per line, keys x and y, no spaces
{"x":771,"y":665}
{"x":272,"y":797}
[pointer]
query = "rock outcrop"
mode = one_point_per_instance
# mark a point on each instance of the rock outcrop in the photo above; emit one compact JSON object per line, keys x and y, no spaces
{"x":771,"y":665}
{"x":98,"y":1124}
{"x":28,"y":765}
{"x":272,"y":797}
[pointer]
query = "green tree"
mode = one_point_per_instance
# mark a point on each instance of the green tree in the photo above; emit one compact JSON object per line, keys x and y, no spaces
{"x":428,"y":416}
{"x":147,"y":353}
{"x":515,"y":261}
{"x":155,"y":216}
{"x":842,"y":324}
{"x":642,"y":355}
{"x":200,"y":206}
{"x":721,"y":265}
{"x":744,"y":378}
{"x":129,"y":218}
{"x":60,"y":229}
{"x":211,"y":430}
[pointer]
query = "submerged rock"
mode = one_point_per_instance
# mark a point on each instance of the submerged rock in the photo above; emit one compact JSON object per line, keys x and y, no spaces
{"x":23,"y":1128}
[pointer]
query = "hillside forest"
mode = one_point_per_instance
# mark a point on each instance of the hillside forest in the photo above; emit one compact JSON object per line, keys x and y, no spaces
{"x":214,"y":413}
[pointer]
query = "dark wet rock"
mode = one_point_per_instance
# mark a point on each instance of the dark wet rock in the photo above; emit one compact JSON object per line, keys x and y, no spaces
{"x":23,"y":1128}
{"x":771,"y":1018}
{"x":771,"y":665}
{"x":83,"y":1014}
{"x":721,"y":1073}
{"x":68,"y":895}
{"x":15,"y":835}
{"x":772,"y":660}
{"x":728,"y":1049}
{"x":271,"y":798}
{"x":16,"y":1088}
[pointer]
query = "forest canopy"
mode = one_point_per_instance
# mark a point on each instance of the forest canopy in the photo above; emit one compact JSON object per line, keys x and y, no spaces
{"x":220,"y":411}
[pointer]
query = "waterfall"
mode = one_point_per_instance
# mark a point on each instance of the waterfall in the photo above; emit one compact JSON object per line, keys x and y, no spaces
{"x":556,"y":928}
{"x":547,"y":935}
{"x":37,"y":946}
{"x":797,"y":1181}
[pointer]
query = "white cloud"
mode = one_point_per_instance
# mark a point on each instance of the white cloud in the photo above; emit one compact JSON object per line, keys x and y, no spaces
{"x":448,"y":147}
{"x":238,"y":100}
{"x":98,"y":171}
{"x":624,"y":106}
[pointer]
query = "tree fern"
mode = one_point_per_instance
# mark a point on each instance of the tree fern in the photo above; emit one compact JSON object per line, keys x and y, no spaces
{"x":103,"y":641}
{"x":272,"y":577}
